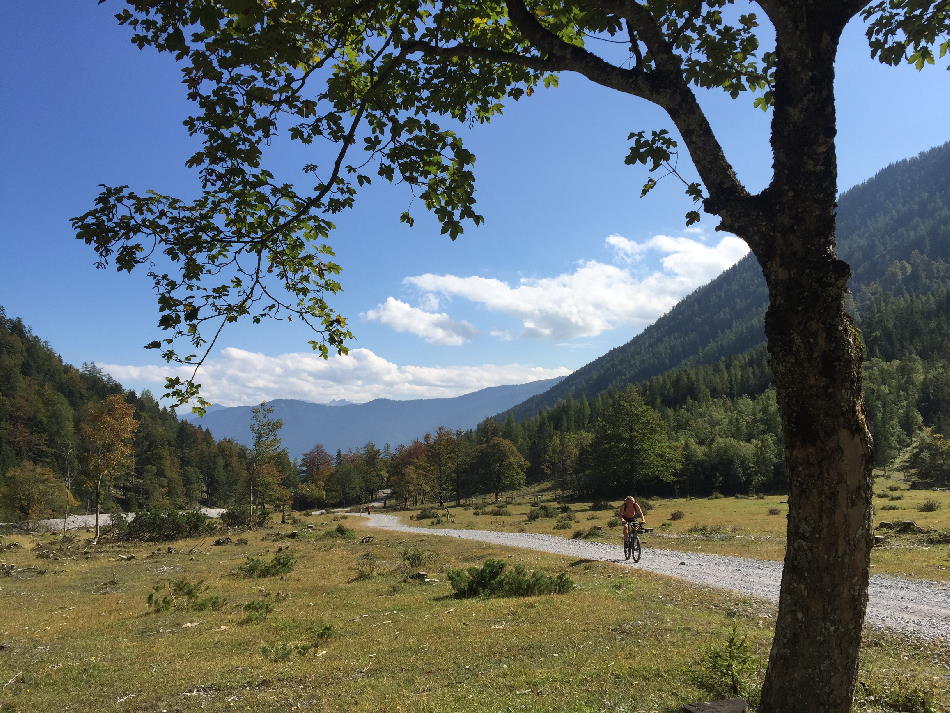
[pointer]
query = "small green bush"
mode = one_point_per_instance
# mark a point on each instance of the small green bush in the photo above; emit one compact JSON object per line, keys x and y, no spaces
{"x":614,"y":522}
{"x":929,"y":505}
{"x":183,"y":595}
{"x":367,"y":565}
{"x":895,"y":497}
{"x":588,"y":534}
{"x":415,"y":558}
{"x":890,"y":507}
{"x":256,"y":611}
{"x":427,"y":514}
{"x":240,"y":517}
{"x":775,"y":511}
{"x":893,"y":488}
{"x":564,"y":507}
{"x":281,"y":651}
{"x":538,"y":511}
{"x":495,"y":579}
{"x":500,"y":511}
{"x":256,"y":568}
{"x":677,"y":515}
{"x":731,"y":670}
{"x":601,"y":505}
{"x":167,"y":524}
{"x":881,"y":494}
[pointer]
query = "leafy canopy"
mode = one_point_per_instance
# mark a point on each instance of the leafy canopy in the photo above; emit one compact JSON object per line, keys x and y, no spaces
{"x":381,"y":89}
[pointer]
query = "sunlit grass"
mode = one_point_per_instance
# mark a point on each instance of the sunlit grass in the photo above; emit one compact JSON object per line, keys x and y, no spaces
{"x":81,"y":637}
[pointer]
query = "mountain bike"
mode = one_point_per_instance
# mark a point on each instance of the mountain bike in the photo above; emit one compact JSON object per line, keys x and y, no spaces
{"x":631,"y":543}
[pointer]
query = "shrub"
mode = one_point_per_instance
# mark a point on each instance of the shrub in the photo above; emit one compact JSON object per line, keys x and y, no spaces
{"x":500,"y":511}
{"x":590,"y":533}
{"x":613,"y":522}
{"x":427,"y":514}
{"x":414,"y":558}
{"x":929,"y":505}
{"x":895,"y":497}
{"x":257,"y":610}
{"x":729,"y":671}
{"x":677,"y":515}
{"x":882,"y":494}
{"x":240,"y":517}
{"x":183,"y":594}
{"x":715,"y":495}
{"x":495,"y":579}
{"x":281,"y":651}
{"x":890,"y":507}
{"x":601,"y":505}
{"x":342,"y":531}
{"x":775,"y":511}
{"x":166,"y":524}
{"x":893,"y":488}
{"x":256,"y":568}
{"x":366,"y":566}
{"x":538,"y":511}
{"x":645,"y":505}
{"x":564,"y":507}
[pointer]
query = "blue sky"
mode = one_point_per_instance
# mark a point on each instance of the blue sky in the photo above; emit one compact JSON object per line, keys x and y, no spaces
{"x":569,"y":263}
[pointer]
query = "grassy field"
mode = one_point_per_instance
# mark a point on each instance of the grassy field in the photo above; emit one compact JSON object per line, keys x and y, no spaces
{"x":345,"y":630}
{"x":742,"y":526}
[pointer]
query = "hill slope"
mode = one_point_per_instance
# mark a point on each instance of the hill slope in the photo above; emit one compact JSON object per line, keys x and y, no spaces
{"x":903,"y":209}
{"x":381,"y":421}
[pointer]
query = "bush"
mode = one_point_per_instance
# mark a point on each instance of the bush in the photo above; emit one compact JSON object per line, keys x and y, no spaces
{"x":775,"y":511}
{"x":495,"y":579}
{"x":893,"y":488}
{"x":715,"y":495}
{"x":343,"y":531}
{"x":256,"y":568}
{"x":589,"y":534}
{"x":890,"y":507}
{"x":564,"y":507}
{"x":677,"y":515}
{"x":895,"y":497}
{"x":366,"y":566}
{"x":500,"y":511}
{"x":729,"y":671}
{"x":414,"y":558}
{"x":427,"y":514}
{"x":538,"y":511}
{"x":613,"y":522}
{"x":183,"y":595}
{"x":166,"y":524}
{"x":239,"y":517}
{"x":929,"y":505}
{"x":645,"y":505}
{"x":256,"y":611}
{"x":281,"y":651}
{"x":601,"y":505}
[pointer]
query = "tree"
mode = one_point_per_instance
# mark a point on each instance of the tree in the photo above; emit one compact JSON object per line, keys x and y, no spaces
{"x":499,"y":466}
{"x":265,"y":474}
{"x":107,"y":432}
{"x":32,"y":491}
{"x":378,"y":75}
{"x":630,"y":446}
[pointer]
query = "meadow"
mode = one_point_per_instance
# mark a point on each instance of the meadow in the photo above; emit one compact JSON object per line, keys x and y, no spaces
{"x":323,"y":615}
{"x":744,"y":526}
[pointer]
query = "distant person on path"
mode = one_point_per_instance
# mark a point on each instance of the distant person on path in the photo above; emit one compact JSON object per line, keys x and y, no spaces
{"x":367,"y":509}
{"x":629,"y":511}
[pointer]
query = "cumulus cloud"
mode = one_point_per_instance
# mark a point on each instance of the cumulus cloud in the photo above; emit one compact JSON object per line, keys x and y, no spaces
{"x":597,"y":296}
{"x":237,"y":377}
{"x":434,"y":327}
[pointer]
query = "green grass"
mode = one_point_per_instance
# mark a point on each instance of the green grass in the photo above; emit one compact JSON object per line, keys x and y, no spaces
{"x":741,"y":526}
{"x":332,"y":641}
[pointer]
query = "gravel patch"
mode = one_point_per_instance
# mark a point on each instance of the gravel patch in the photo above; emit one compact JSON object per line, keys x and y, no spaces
{"x":79,"y":522}
{"x":912,"y":606}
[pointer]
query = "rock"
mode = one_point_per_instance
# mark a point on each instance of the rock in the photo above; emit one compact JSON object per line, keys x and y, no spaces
{"x":729,"y":705}
{"x":902,"y":527}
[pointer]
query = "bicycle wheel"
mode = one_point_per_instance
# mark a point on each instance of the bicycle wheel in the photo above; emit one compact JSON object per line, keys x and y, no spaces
{"x":635,"y":549}
{"x":627,"y":547}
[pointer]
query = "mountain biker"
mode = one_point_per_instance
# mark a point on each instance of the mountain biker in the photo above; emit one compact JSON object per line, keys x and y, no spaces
{"x":628,"y":512}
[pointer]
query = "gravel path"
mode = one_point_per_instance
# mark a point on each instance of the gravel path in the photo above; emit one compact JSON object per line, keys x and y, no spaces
{"x":912,"y":606}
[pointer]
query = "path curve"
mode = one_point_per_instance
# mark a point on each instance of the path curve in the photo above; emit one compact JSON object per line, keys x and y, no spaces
{"x":913,"y":606}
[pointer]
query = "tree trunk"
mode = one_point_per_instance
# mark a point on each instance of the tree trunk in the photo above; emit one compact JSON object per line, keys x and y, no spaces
{"x":816,"y":358}
{"x":98,"y":486}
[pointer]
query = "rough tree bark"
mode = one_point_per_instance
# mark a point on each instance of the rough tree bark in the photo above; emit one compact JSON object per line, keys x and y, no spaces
{"x":816,"y":356}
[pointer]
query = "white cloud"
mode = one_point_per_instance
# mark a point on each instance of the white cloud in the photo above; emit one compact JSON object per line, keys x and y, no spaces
{"x":597,"y":297}
{"x":237,"y":377}
{"x":434,"y":327}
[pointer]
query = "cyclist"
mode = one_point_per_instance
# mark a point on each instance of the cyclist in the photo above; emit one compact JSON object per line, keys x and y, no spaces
{"x":629,"y":512}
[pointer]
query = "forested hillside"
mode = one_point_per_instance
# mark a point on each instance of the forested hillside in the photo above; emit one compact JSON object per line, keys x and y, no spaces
{"x":45,"y":405}
{"x":903,"y":209}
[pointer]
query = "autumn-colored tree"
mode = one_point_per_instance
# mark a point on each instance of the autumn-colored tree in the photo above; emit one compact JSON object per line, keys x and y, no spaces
{"x":107,"y":432}
{"x":32,"y":492}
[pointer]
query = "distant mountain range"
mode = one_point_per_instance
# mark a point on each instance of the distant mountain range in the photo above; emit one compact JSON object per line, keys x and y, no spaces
{"x":903,"y":209}
{"x":343,"y":425}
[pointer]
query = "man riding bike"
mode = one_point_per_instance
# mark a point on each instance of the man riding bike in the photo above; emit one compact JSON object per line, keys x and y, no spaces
{"x":628,"y":512}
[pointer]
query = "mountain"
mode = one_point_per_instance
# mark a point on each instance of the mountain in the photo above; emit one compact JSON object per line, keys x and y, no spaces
{"x":343,"y":426}
{"x":902,"y":211}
